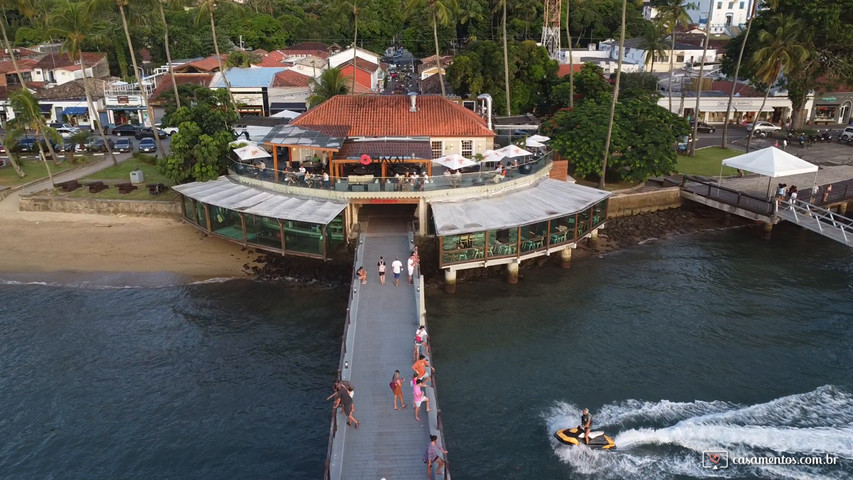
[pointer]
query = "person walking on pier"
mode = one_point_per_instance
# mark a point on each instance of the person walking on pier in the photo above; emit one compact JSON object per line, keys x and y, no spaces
{"x":421,"y":341}
{"x":345,"y":399}
{"x":435,"y":455}
{"x":396,"y":267}
{"x":423,"y":369}
{"x":418,"y":396}
{"x":380,"y":265}
{"x":397,"y":387}
{"x":410,"y":265}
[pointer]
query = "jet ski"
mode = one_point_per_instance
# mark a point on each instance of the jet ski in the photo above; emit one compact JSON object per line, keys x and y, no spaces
{"x":575,"y":436}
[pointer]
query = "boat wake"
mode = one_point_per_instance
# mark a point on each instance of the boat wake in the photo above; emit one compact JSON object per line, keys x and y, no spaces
{"x":661,"y":440}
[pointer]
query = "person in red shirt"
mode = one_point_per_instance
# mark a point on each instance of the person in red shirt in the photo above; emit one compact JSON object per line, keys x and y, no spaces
{"x":423,"y":369}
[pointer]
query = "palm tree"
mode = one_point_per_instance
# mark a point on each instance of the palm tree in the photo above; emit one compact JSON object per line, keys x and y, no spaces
{"x":737,"y":69}
{"x":78,"y":138}
{"x":71,"y":21}
{"x":28,"y":116}
{"x":106,"y":5}
{"x":506,"y":61}
{"x":779,"y":51}
{"x":206,"y":9}
{"x":571,"y":58}
{"x":701,"y":75}
{"x":354,"y":7}
{"x":672,"y":13}
{"x":615,"y":95}
{"x":441,"y":12}
{"x":330,"y":83}
{"x":171,"y":4}
{"x":26,"y":8}
{"x":653,"y":43}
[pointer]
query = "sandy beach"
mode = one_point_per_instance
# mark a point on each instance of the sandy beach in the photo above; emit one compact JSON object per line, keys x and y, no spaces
{"x":43,"y":242}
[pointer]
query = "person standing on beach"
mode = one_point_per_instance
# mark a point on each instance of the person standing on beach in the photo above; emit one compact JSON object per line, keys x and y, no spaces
{"x":418,"y":396}
{"x":396,"y":268}
{"x":380,"y":265}
{"x":397,"y":387}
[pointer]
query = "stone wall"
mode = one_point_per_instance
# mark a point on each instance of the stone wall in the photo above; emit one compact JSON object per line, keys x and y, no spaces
{"x":139,"y":208}
{"x":624,"y":205}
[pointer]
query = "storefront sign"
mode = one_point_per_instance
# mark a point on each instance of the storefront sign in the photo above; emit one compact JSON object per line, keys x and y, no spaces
{"x":828,"y":99}
{"x":123,"y":100}
{"x":383,"y":200}
{"x":365,"y":159}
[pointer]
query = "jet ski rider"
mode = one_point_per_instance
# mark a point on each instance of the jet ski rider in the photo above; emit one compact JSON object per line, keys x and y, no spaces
{"x":586,"y":424}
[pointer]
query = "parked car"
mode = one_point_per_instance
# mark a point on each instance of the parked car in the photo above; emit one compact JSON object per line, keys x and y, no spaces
{"x":96,"y":144}
{"x":147,"y":145}
{"x":169,"y":130}
{"x":24,"y":145}
{"x":125,"y":129}
{"x":66,"y":132}
{"x":123,"y":145}
{"x":703,"y":127}
{"x":149,"y":133}
{"x":58,"y":125}
{"x":846,"y":135}
{"x":761,"y":129}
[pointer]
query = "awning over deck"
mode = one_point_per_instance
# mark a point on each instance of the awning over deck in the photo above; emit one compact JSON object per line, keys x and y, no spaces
{"x":224,"y":193}
{"x":548,"y":200}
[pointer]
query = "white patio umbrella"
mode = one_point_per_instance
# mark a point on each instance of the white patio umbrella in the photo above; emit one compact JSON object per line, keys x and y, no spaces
{"x":537,"y":139}
{"x":251,"y":152}
{"x":490,"y":156}
{"x":513,"y":151}
{"x":454,"y":161}
{"x":533,"y":144}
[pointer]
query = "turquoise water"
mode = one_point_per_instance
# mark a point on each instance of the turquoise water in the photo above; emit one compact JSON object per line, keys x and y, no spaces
{"x":714,"y":341}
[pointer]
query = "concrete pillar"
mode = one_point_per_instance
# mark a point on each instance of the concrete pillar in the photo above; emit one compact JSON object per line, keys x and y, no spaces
{"x":512,"y":273}
{"x":450,"y":280}
{"x":422,"y":217}
{"x":593,"y":238}
{"x":768,"y":229}
{"x":566,"y":257}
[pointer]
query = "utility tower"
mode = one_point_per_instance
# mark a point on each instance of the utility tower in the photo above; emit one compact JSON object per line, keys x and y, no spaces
{"x":551,"y":28}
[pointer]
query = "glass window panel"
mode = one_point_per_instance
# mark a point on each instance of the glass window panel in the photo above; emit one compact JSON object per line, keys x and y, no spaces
{"x":562,"y":230}
{"x":533,"y":236}
{"x":303,"y":237}
{"x":503,"y":243}
{"x":437,"y":149}
{"x":599,"y":212}
{"x":226,"y":222}
{"x":201,"y":218}
{"x":189,"y":210}
{"x":263,"y":231}
{"x":335,"y":232}
{"x":583,"y":221}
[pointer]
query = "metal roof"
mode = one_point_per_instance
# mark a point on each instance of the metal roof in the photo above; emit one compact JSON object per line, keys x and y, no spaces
{"x":387,"y":148}
{"x":246,"y":77}
{"x":224,"y":193}
{"x":547,"y":200}
{"x":302,"y":137}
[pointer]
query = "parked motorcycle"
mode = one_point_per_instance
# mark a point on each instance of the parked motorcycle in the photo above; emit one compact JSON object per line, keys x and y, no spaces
{"x":826,"y":136}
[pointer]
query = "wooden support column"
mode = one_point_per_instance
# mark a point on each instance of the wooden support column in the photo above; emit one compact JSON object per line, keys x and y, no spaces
{"x":243,"y":226}
{"x":275,"y":161}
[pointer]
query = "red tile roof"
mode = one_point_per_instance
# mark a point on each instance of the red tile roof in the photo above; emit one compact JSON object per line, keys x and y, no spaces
{"x":272,"y":59}
{"x":564,"y":69}
{"x":24,"y":65}
{"x":20,"y":53}
{"x":289,"y":78}
{"x":399,"y":148}
{"x":181,"y":79}
{"x":205,"y":65}
{"x":389,"y":116}
{"x":61,"y":60}
{"x":361,"y":64}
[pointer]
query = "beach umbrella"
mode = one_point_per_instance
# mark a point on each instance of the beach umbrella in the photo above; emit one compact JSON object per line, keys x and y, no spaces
{"x":513,"y":151}
{"x":537,"y":139}
{"x":454,"y":161}
{"x":251,"y":152}
{"x":491,"y":156}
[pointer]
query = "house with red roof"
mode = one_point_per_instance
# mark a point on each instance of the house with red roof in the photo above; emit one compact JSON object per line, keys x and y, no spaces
{"x":59,"y":68}
{"x":367,"y":67}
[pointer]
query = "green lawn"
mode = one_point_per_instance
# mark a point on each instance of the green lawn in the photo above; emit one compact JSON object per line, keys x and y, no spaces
{"x":707,"y":162}
{"x":35,"y":170}
{"x":121,"y":172}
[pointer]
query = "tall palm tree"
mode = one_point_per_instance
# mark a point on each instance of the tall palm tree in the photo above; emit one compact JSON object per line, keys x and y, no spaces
{"x":71,"y":21}
{"x":441,"y":12}
{"x":506,"y":62}
{"x":779,"y":51}
{"x":571,"y":58}
{"x":26,"y":9}
{"x":107,"y":5}
{"x":615,"y":95}
{"x":673,"y":13}
{"x":206,"y":9}
{"x":653,"y":43}
{"x":737,"y":68}
{"x":170,"y":4}
{"x":28,"y":116}
{"x":701,"y":76}
{"x":329,"y":84}
{"x":354,"y":7}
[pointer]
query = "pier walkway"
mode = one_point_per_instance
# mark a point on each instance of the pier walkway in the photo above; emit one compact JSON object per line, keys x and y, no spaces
{"x":378,"y":339}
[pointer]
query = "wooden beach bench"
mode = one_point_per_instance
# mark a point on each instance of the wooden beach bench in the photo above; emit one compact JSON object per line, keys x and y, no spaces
{"x":69,"y":186}
{"x":126,"y":187}
{"x":97,"y":187}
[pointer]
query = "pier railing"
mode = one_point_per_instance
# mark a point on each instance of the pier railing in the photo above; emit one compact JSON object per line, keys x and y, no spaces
{"x":342,"y":360}
{"x":714,"y":191}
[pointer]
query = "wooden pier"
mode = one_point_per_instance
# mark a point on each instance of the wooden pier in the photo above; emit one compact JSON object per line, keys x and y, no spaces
{"x":378,"y":339}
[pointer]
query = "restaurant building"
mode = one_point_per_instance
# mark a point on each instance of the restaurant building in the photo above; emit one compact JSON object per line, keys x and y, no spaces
{"x":379,"y":150}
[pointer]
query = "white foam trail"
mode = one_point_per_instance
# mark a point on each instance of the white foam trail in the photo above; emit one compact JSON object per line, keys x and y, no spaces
{"x":660,"y":440}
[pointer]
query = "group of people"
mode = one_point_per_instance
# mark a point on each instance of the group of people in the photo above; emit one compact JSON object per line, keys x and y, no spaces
{"x":412,"y":265}
{"x":786,"y":193}
{"x":409,"y":180}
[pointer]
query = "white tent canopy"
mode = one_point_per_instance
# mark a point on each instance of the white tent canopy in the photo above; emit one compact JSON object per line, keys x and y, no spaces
{"x":286,"y":114}
{"x":771,"y":162}
{"x":251,"y":152}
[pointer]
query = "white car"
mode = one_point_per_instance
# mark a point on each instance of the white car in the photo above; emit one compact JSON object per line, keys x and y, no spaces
{"x":761,"y":129}
{"x":846,"y":135}
{"x":66,"y":132}
{"x":169,"y":130}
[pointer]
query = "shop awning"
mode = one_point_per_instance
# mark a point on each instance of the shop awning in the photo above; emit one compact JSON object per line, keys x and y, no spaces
{"x":75,"y":110}
{"x":548,"y":200}
{"x":225,"y":193}
{"x":721,"y":107}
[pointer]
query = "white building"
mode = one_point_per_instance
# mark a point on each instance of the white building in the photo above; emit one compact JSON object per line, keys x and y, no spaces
{"x":635,"y":54}
{"x":726,"y":14}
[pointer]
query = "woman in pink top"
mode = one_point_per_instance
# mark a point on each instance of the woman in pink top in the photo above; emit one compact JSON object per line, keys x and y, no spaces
{"x":418,"y":396}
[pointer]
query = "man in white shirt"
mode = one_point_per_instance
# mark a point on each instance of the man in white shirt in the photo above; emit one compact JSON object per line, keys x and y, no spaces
{"x":410,"y":264}
{"x":396,"y":267}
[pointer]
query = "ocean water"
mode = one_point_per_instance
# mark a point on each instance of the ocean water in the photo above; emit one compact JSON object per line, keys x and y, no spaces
{"x":715,"y":341}
{"x":708,"y":342}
